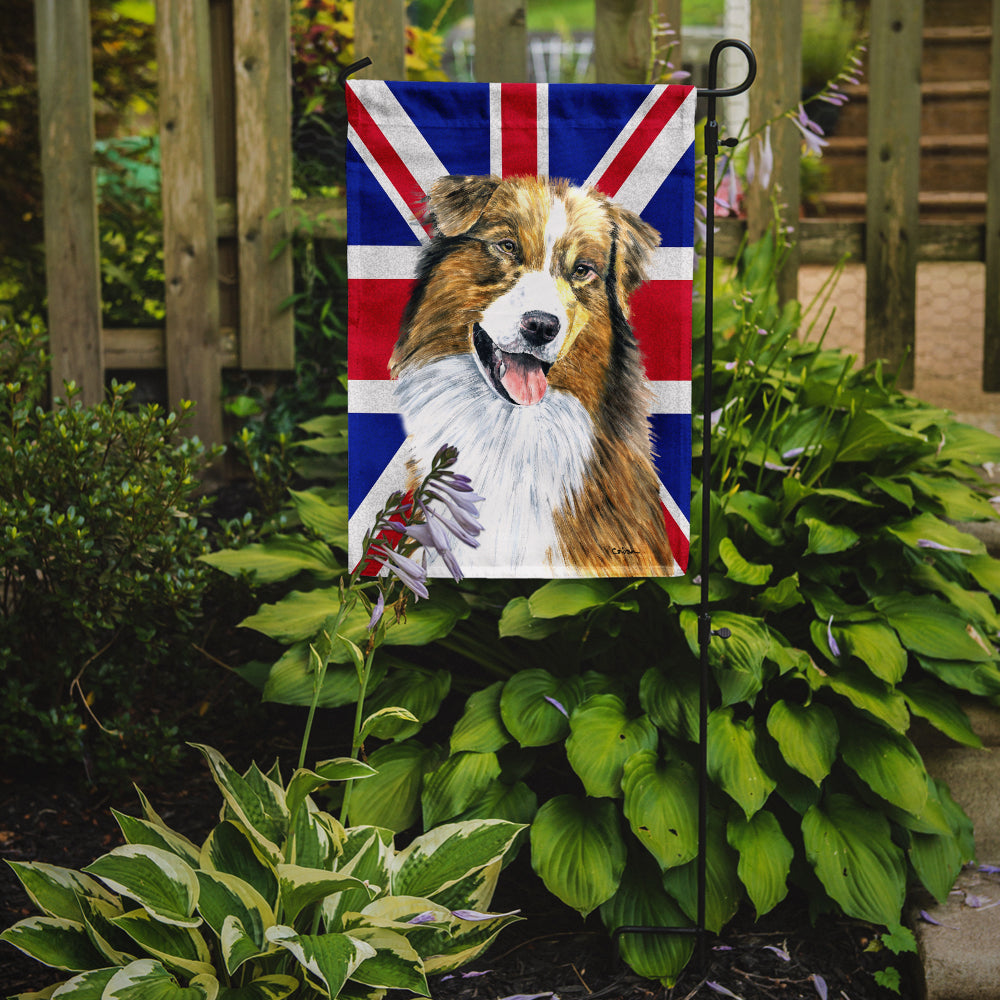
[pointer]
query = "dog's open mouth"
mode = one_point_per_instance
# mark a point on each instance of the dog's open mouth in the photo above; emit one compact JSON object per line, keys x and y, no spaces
{"x":518,"y":378}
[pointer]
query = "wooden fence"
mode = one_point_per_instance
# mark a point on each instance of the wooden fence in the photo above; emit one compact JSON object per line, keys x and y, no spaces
{"x":226,"y":160}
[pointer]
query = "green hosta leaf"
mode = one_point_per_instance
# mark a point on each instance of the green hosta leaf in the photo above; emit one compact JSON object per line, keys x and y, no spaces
{"x":738,"y":569}
{"x":330,"y":959}
{"x":850,"y":848}
{"x":807,"y":736}
{"x":931,"y":628}
{"x":893,"y":488}
{"x":301,"y":887}
{"x":723,"y":889}
{"x":291,"y":680}
{"x":864,"y":691}
{"x":661,"y":798}
{"x":783,"y":595}
{"x":147,"y":979}
{"x":957,"y":501}
{"x":602,"y":738}
{"x":230,"y":849}
{"x":159,"y":881}
{"x":827,"y":539}
{"x":732,"y":760}
{"x":54,"y":941}
{"x":986,"y":571}
{"x":876,"y":646}
{"x":456,"y":784}
{"x":758,"y":511}
{"x":481,"y":728}
{"x":443,"y":856}
{"x":965,"y":443}
{"x":928,"y":528}
{"x":180,"y":948}
{"x":391,"y":798}
{"x":56,"y":891}
{"x":225,"y":897}
{"x":937,"y":860}
{"x":975,"y":605}
{"x":641,"y":901}
{"x":671,"y":700}
{"x":516,"y":803}
{"x":558,"y":598}
{"x":578,"y":851}
{"x":260,"y":809}
{"x":941,"y":709}
{"x":417,"y":690}
{"x":327,"y":520}
{"x":395,"y":964}
{"x":141,"y":831}
{"x":517,"y":620}
{"x":275,"y":987}
{"x":530,"y":706}
{"x":870,"y":435}
{"x":976,"y":678}
{"x":888,"y":763}
{"x":738,"y":661}
{"x":386,"y":723}
{"x":279,"y":558}
{"x":765,"y":858}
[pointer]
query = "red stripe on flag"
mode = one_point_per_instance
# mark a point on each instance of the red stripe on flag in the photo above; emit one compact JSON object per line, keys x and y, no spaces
{"x":679,"y":542}
{"x":374,"y":314}
{"x":639,"y":141}
{"x":661,"y":320}
{"x":519,"y":125}
{"x":386,"y":156}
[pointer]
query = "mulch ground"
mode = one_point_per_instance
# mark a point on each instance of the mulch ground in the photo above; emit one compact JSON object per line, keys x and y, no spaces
{"x":550,"y":953}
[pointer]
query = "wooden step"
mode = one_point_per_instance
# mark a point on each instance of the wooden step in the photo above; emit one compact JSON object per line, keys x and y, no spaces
{"x":958,"y":206}
{"x":956,"y":53}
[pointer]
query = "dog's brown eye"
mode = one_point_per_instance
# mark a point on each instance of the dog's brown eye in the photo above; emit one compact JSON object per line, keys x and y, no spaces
{"x":583,"y":270}
{"x":506,"y":246}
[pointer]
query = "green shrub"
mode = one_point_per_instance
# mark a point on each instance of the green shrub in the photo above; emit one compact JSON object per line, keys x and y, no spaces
{"x":99,"y":541}
{"x":280,"y":899}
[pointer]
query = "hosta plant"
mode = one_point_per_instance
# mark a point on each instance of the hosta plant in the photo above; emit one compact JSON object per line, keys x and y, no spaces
{"x":279,"y":900}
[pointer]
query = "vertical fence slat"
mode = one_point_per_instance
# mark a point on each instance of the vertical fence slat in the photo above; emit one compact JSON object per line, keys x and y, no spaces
{"x":776,"y":35}
{"x":190,"y":253}
{"x":380,"y":34}
{"x":72,"y":257}
{"x":261,"y":57}
{"x":991,"y":333}
{"x":501,"y":41}
{"x":621,"y":40}
{"x":893,"y":183}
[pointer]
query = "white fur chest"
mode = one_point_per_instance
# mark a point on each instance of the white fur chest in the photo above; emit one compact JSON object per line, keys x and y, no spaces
{"x":526,"y":461}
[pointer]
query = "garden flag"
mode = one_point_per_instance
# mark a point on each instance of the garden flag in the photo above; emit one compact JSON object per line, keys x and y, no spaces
{"x":520,"y":262}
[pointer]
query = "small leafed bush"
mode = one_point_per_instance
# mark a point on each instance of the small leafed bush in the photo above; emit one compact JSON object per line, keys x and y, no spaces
{"x":280,"y":899}
{"x":99,"y":546}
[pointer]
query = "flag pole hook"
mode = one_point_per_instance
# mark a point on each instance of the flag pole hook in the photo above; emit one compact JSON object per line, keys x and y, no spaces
{"x":705,"y":630}
{"x":346,"y":71}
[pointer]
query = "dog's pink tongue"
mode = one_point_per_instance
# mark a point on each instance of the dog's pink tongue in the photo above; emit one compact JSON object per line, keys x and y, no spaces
{"x":524,"y":379}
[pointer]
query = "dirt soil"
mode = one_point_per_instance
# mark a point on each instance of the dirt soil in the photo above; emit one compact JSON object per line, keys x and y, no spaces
{"x":552,"y":952}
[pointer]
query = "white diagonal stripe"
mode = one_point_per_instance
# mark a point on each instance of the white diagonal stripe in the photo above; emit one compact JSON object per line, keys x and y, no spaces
{"x":542,"y":125}
{"x":616,"y":147}
{"x":670,"y":397}
{"x":496,"y":132}
{"x":671,"y":264}
{"x":675,"y":512}
{"x":383,"y":262}
{"x":372,"y":396}
{"x":363,"y":518}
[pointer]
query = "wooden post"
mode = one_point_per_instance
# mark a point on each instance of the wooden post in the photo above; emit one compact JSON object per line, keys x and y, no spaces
{"x":622,"y":40}
{"x":501,"y":41}
{"x":190,"y":254}
{"x":380,"y":34}
{"x":991,"y":333}
{"x":72,"y":256}
{"x":893,"y":183}
{"x":261,"y":56}
{"x":776,"y":35}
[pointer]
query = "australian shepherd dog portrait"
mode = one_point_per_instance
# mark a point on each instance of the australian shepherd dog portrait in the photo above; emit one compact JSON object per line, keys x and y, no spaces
{"x":515,"y":347}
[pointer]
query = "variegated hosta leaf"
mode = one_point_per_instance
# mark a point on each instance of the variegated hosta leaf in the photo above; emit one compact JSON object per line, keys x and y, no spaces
{"x":395,"y":964}
{"x":274,"y":987}
{"x":642,"y":902}
{"x":602,"y":737}
{"x":315,"y":838}
{"x":230,"y":849}
{"x":86,"y":986}
{"x":54,"y":941}
{"x":98,"y":915}
{"x":141,"y":831}
{"x":468,"y":939}
{"x":661,"y":799}
{"x":366,"y":855}
{"x":177,"y":947}
{"x":147,"y":979}
{"x":56,"y":891}
{"x":304,"y":782}
{"x":807,"y":736}
{"x":732,"y":760}
{"x":256,"y":801}
{"x":158,"y":880}
{"x":481,"y":727}
{"x":850,"y":847}
{"x":225,"y":897}
{"x":329,"y":959}
{"x":456,"y":784}
{"x":300,"y":887}
{"x":441,"y":857}
{"x":475,"y":891}
{"x":578,"y":851}
{"x":765,"y":858}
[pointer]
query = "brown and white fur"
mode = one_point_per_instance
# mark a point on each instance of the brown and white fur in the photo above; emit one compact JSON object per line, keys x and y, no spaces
{"x":515,"y":347}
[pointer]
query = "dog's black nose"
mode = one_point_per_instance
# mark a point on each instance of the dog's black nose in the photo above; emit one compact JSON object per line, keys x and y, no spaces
{"x":539,"y":327}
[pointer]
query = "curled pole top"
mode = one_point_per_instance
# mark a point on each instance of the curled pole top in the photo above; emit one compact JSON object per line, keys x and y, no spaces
{"x":712,"y":91}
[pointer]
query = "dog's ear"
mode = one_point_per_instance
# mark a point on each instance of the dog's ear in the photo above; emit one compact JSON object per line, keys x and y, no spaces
{"x":635,"y":241}
{"x":455,"y":202}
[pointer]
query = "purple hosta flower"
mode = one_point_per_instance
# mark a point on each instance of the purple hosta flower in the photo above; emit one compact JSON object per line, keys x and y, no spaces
{"x":429,"y":535}
{"x":411,"y":574}
{"x":531,"y":996}
{"x":820,"y":984}
{"x":761,"y":163}
{"x":780,"y":952}
{"x":719,"y":988}
{"x":834,"y":648}
{"x":558,"y":705}
{"x":475,"y":915}
{"x":465,"y":975}
{"x":927,"y":918}
{"x":989,"y":869}
{"x":811,"y":132}
{"x":377,"y":611}
{"x":728,"y":195}
{"x":427,"y":917}
{"x":927,"y":543}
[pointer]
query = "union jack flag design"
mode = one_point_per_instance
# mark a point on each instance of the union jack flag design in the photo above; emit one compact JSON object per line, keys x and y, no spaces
{"x":633,"y":143}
